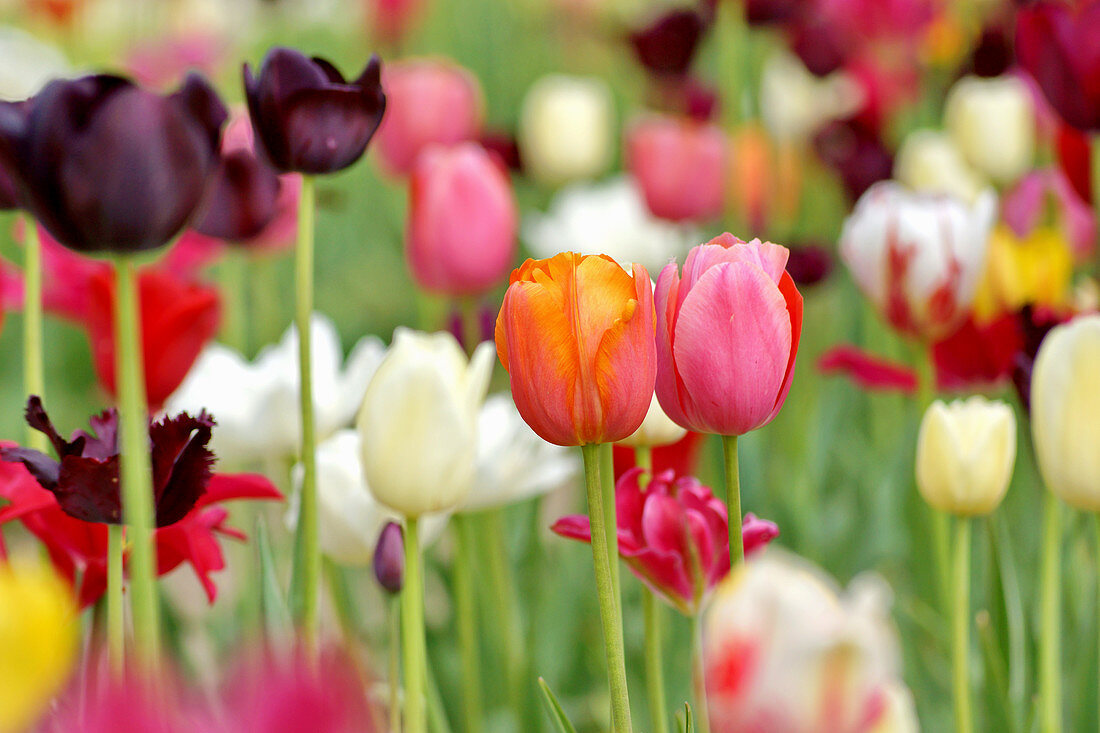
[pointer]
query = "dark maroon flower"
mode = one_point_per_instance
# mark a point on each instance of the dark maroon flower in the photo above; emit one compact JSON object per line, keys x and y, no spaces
{"x":809,"y":264}
{"x":105,"y":165}
{"x":992,"y":55}
{"x":856,"y":153}
{"x":85,"y":477}
{"x":1057,"y":44}
{"x":389,"y":558}
{"x":1035,"y":324}
{"x":668,"y":45}
{"x":307,"y":118}
{"x":768,"y":12}
{"x":822,"y":48}
{"x":242,"y":200}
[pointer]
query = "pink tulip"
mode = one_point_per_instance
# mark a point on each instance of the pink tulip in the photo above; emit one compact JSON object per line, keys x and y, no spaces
{"x":461,"y":235}
{"x":680,"y":163}
{"x":1031,"y":198}
{"x":727,"y":336}
{"x":390,"y":20}
{"x":427,"y":102}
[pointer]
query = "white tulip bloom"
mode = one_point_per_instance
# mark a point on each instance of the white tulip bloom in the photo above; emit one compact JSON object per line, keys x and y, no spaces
{"x":930,"y":162}
{"x":419,"y":419}
{"x":566,"y":129}
{"x":794,"y":103}
{"x":993,"y":123}
{"x":656,"y":430}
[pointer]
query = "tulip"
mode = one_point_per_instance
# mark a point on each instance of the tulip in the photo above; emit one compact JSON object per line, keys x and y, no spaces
{"x":1055,"y":44}
{"x":608,"y":218}
{"x":428,"y":102}
{"x":1032,"y":199}
{"x":126,"y":168}
{"x":930,"y":161}
{"x":418,"y":422}
{"x":680,"y":165}
{"x":667,"y":45}
{"x":390,"y":20}
{"x":918,"y":257}
{"x":586,"y":386}
{"x":965,"y":455}
{"x":1033,"y":270}
{"x":657,"y":429}
{"x":794,"y":103}
{"x":389,"y":558}
{"x":307,"y":118}
{"x":993,"y":123}
{"x":565,"y":129}
{"x":856,"y":151}
{"x":243,"y":197}
{"x":461,"y":234}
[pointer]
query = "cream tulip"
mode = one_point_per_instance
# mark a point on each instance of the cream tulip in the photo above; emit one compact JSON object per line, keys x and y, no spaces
{"x":657,"y":429}
{"x":1065,"y":403}
{"x":993,"y":123}
{"x":965,"y":454}
{"x":565,"y":129}
{"x":418,"y":422}
{"x":931,"y":162}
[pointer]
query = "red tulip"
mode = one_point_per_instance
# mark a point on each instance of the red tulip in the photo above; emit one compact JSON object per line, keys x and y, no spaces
{"x":1056,"y":44}
{"x":727,"y":336}
{"x":680,"y":457}
{"x":178,"y":318}
{"x":428,"y":102}
{"x":461,"y":236}
{"x":680,"y":164}
{"x":673,"y":535}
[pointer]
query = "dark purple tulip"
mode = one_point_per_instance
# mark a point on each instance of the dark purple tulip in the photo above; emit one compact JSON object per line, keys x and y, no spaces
{"x":667,"y":46}
{"x":85,"y":477}
{"x":1058,"y":45}
{"x":769,"y":12}
{"x":809,"y":264}
{"x":992,"y":55}
{"x":389,"y":558}
{"x":856,"y":152}
{"x":9,"y":197}
{"x":307,"y":118}
{"x":242,"y":200}
{"x":105,"y":165}
{"x":821,"y":47}
{"x":1034,"y":325}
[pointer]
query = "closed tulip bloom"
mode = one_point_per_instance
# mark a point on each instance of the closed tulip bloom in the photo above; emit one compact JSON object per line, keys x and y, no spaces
{"x":418,"y":422}
{"x":565,"y":129}
{"x":461,"y":234}
{"x":657,"y":429}
{"x":965,"y":454}
{"x":918,"y":257}
{"x":930,"y":161}
{"x":1065,"y":400}
{"x":307,"y":117}
{"x":680,"y":165}
{"x":106,"y":166}
{"x":575,"y":334}
{"x":993,"y":123}
{"x":428,"y":102}
{"x":1056,"y":44}
{"x":727,"y":336}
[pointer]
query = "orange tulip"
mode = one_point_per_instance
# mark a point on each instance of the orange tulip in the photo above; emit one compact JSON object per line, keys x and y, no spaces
{"x":576,"y":335}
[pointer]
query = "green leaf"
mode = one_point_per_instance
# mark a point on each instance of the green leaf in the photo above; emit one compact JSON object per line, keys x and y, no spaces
{"x":553,"y":707}
{"x":685,"y":723}
{"x":273,"y":609}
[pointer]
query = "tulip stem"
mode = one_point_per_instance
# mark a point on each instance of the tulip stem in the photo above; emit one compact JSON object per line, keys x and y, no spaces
{"x":699,"y":676}
{"x":609,"y":606}
{"x":233,"y":278}
{"x":610,"y":519}
{"x":654,"y":670}
{"x":307,"y":547}
{"x":733,"y":501}
{"x":1050,"y":635}
{"x":136,"y":468}
{"x":500,"y":587}
{"x":466,"y":617}
{"x":961,"y":627}
{"x":116,"y":625}
{"x":396,"y":645}
{"x":34,"y":381}
{"x":469,"y":324}
{"x":412,"y":622}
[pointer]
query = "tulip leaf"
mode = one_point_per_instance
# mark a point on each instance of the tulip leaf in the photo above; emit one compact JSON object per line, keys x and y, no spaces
{"x":273,"y":609}
{"x":685,"y":723}
{"x":554,"y":709}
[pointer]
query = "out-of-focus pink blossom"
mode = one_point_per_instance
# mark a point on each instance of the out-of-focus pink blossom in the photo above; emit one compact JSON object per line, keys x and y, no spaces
{"x":162,"y":62}
{"x":391,"y":20}
{"x":1026,"y":204}
{"x":680,"y":164}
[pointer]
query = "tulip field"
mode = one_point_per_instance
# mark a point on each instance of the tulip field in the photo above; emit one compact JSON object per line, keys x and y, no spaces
{"x":516,"y":366}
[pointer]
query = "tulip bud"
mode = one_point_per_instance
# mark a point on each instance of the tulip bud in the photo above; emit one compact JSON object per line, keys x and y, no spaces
{"x":929,"y":161}
{"x":680,"y":165}
{"x":993,"y":123}
{"x":565,"y":129}
{"x":389,"y":558}
{"x":657,"y":429}
{"x":1065,"y":402}
{"x":965,"y":454}
{"x":461,"y":237}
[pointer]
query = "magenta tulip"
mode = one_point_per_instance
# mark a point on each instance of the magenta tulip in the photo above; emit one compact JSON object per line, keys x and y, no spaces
{"x":680,"y":163}
{"x":727,"y":336}
{"x":461,"y":236}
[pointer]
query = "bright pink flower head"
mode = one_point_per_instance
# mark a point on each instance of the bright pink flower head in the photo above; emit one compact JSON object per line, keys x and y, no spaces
{"x":680,"y":164}
{"x":727,"y":336}
{"x":1030,"y":199}
{"x":461,"y":236}
{"x":674,"y":535}
{"x":428,"y":102}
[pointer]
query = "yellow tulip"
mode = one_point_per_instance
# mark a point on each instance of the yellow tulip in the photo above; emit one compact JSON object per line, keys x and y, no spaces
{"x":1035,"y":269}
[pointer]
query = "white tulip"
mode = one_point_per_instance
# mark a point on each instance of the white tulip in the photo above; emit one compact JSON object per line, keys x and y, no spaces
{"x":918,"y":257}
{"x":418,"y":423}
{"x":794,"y":103}
{"x":929,"y":161}
{"x":513,"y":463}
{"x":27,"y":64}
{"x":993,"y":123}
{"x":656,"y":430}
{"x":1065,"y":411}
{"x":566,"y":129}
{"x":256,"y":404}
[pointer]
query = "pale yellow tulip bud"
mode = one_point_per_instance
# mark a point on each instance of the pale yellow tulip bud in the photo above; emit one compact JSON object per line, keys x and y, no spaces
{"x":965,"y":454}
{"x":993,"y":123}
{"x":566,"y":129}
{"x":656,"y":430}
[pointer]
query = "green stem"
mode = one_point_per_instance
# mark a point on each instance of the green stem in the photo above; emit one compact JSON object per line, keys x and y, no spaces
{"x":412,"y":621}
{"x":961,"y":627}
{"x":501,"y":591}
{"x":466,"y":617}
{"x":233,"y":277}
{"x":733,"y":501}
{"x":34,"y":381}
{"x":643,"y":457}
{"x":732,"y":37}
{"x":307,"y":556}
{"x":471,"y":325}
{"x":136,"y":468}
{"x":395,"y":664}
{"x":116,"y":620}
{"x":994,"y":665}
{"x":609,"y":619}
{"x":654,"y":666}
{"x":610,"y":520}
{"x":1050,"y":635}
{"x":941,"y":529}
{"x":342,"y":602}
{"x":698,"y":676}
